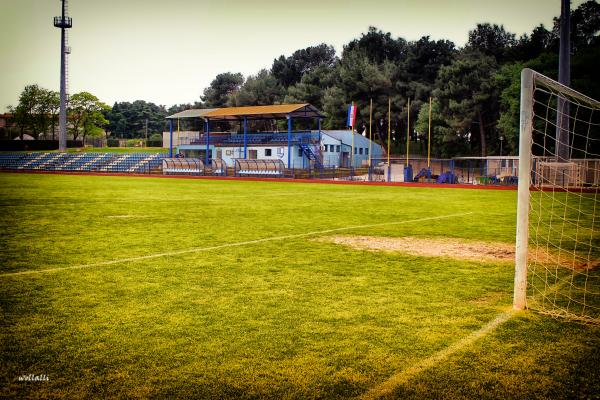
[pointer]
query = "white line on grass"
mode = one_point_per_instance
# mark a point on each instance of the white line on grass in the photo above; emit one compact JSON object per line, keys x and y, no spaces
{"x":402,"y":377}
{"x":200,"y":249}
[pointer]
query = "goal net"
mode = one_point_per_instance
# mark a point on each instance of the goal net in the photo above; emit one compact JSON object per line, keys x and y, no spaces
{"x":558,"y":216}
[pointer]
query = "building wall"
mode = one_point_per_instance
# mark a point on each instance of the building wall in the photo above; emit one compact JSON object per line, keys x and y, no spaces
{"x":344,"y":139}
{"x":331,"y":150}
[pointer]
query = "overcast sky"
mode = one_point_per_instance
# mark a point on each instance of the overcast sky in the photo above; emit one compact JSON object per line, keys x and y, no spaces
{"x":167,"y":52}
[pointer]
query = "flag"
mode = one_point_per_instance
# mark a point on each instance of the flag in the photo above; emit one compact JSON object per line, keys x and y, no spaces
{"x":351,"y":115}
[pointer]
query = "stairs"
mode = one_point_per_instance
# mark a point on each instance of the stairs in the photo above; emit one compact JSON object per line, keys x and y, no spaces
{"x":311,"y":155}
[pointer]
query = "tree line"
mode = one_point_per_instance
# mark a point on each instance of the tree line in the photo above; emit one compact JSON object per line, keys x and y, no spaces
{"x":38,"y":110}
{"x":475,"y":89}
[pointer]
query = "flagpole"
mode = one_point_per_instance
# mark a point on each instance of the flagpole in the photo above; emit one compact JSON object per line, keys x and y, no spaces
{"x":352,"y":131}
{"x":370,"y":138}
{"x":389,"y":137}
{"x":408,"y":133}
{"x":429,"y":137}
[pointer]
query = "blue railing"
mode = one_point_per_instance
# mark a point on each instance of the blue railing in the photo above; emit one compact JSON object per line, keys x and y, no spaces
{"x":258,"y":138}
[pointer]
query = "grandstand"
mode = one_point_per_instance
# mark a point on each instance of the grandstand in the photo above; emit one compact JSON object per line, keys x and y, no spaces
{"x":83,"y":162}
{"x":296,"y":149}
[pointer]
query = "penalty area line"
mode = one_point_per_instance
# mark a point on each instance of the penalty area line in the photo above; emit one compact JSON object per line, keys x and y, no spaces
{"x":386,"y":388}
{"x":221,"y":246}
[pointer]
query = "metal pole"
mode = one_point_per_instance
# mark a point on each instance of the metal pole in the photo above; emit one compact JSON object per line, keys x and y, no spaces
{"x":289,"y":138}
{"x":322,"y":161}
{"x":389,"y":138}
{"x":520,"y":289}
{"x":370,"y":136}
{"x":170,"y":138}
{"x":62,"y":118}
{"x":429,"y":136}
{"x":408,"y":133}
{"x":207,"y":132}
{"x":245,"y":137}
{"x":370,"y":140}
{"x":352,"y":151}
{"x":564,"y":77}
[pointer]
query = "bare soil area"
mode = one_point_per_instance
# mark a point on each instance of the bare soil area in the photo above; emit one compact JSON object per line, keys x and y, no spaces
{"x":459,"y":249}
{"x":438,"y":247}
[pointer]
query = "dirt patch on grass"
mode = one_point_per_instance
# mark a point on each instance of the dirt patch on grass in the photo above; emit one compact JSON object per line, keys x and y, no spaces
{"x":438,"y":247}
{"x":459,"y":249}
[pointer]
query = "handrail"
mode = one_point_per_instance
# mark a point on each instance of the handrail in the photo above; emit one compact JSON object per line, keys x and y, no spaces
{"x":258,"y":138}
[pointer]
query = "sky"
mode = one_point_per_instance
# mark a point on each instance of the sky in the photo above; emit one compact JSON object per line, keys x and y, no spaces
{"x":167,"y":52}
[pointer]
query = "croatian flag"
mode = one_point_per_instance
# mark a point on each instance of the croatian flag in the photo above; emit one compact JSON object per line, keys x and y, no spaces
{"x":351,"y":115}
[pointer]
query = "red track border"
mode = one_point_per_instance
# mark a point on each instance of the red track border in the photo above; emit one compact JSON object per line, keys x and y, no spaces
{"x":290,"y":180}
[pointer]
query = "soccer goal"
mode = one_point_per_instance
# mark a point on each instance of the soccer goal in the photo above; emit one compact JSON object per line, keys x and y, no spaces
{"x":558,"y":216}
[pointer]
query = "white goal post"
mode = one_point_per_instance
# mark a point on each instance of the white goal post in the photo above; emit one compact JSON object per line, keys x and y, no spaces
{"x":557,"y":261}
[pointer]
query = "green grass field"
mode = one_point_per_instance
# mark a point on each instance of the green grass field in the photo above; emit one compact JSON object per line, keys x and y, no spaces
{"x":173,"y":288}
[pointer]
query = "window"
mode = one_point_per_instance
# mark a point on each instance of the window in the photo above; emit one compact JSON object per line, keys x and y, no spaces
{"x":299,"y":151}
{"x":325,"y":149}
{"x":366,"y":151}
{"x":355,"y":150}
{"x":252,"y":154}
{"x":267,"y":152}
{"x":360,"y":150}
{"x":338,"y":148}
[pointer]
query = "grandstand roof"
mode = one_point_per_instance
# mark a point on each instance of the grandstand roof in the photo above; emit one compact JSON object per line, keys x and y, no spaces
{"x":276,"y":111}
{"x":192,"y":113}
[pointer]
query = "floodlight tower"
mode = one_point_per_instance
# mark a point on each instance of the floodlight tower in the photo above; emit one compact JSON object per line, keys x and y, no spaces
{"x":63,"y":22}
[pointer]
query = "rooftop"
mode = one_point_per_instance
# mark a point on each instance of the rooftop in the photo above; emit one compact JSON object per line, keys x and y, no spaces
{"x":275,"y":111}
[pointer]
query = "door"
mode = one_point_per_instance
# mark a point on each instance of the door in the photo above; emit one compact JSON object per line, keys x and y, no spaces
{"x":345,"y":159}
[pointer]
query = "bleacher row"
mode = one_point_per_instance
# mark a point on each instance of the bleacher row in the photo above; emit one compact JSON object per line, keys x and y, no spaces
{"x":257,"y":138}
{"x":99,"y":162}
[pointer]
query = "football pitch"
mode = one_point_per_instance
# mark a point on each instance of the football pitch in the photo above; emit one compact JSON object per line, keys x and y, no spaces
{"x":181,"y":288}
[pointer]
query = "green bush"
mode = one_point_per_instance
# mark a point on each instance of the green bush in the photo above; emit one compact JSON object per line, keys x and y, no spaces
{"x":135,"y":143}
